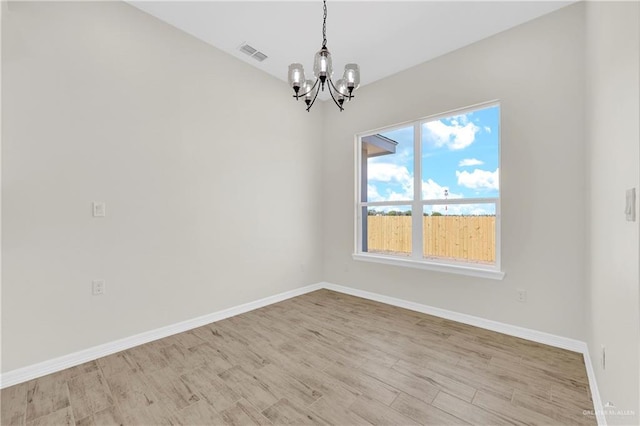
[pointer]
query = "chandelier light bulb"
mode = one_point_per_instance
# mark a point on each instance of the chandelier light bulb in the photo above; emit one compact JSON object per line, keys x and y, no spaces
{"x":352,"y":76}
{"x":341,"y":87}
{"x":296,"y":77}
{"x":307,"y":91}
{"x":323,"y":71}
{"x":322,"y":67}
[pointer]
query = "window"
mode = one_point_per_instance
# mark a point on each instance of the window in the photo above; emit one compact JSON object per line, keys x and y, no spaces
{"x":429,"y":193}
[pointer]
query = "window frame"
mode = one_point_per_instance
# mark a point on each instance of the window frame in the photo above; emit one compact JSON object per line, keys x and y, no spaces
{"x":416,"y":259}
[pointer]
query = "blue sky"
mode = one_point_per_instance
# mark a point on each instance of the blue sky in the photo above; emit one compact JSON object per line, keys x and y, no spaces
{"x":459,"y":155}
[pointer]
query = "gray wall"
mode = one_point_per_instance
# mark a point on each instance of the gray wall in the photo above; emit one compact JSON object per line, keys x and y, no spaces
{"x":210,"y":172}
{"x":613,"y":134}
{"x":536,"y":70}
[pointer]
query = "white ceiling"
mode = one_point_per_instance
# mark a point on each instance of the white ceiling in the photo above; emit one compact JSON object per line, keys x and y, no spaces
{"x":383,"y":37}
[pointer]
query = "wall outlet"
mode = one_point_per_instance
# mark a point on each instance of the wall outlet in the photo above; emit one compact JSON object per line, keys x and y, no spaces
{"x":522,"y":295}
{"x":98,"y":287}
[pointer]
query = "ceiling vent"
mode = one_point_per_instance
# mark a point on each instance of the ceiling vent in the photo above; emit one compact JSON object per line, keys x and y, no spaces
{"x":253,"y":52}
{"x":259,"y":56}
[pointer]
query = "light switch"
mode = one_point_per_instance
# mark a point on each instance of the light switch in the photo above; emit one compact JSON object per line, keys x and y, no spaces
{"x":630,"y":208}
{"x":99,"y":209}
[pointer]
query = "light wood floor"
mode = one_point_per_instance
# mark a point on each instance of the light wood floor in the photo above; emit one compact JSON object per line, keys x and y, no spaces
{"x":321,"y":358}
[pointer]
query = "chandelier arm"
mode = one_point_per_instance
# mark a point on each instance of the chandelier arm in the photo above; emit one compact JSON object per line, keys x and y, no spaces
{"x":346,"y":96}
{"x":332,"y":85}
{"x":310,"y":90}
{"x":336,"y":89}
{"x":314,"y":97}
{"x":333,"y":97}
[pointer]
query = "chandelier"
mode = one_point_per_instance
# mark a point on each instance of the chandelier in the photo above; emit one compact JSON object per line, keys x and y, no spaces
{"x":322,"y":71}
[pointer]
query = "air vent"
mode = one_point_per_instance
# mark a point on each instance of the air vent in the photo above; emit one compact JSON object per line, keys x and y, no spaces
{"x":248,"y":49}
{"x":253,"y":52}
{"x":259,"y":56}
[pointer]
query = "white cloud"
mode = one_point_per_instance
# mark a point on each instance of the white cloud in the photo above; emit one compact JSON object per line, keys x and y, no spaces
{"x":470,"y":162}
{"x":465,"y":209}
{"x":487,"y":129}
{"x":432,"y":190}
{"x":463,"y":118}
{"x":455,"y":136}
{"x":479,"y":179}
{"x":387,"y":172}
{"x":372,"y":193}
{"x":406,"y":194}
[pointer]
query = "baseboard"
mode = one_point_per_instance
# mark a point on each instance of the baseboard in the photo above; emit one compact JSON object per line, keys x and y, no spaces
{"x":511,"y":330}
{"x":593,"y":386}
{"x":66,"y":361}
{"x":47,"y":367}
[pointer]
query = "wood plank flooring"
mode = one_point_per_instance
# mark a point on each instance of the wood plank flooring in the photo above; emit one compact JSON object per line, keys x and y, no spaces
{"x":320,"y":358}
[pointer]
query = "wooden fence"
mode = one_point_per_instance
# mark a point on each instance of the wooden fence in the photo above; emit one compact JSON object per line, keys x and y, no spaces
{"x":469,"y":238}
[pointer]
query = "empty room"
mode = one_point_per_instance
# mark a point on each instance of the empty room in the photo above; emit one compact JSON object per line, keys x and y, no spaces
{"x":320,"y":212}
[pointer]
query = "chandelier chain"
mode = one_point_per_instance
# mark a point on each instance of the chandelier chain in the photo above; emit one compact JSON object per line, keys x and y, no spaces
{"x":324,"y":25}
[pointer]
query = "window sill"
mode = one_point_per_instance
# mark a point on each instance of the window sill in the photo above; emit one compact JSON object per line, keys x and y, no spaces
{"x":432,"y":266}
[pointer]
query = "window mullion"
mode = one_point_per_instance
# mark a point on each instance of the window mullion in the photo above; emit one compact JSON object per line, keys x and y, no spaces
{"x":358,"y":234}
{"x":416,"y":205}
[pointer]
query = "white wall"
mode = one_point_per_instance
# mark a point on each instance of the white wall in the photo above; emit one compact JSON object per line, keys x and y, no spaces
{"x":219,"y":191}
{"x":536,"y":71}
{"x":613,"y":134}
{"x":210,"y":172}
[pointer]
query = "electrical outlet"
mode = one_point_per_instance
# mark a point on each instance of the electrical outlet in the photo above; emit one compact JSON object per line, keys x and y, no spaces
{"x":98,"y":287}
{"x":522,"y":295}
